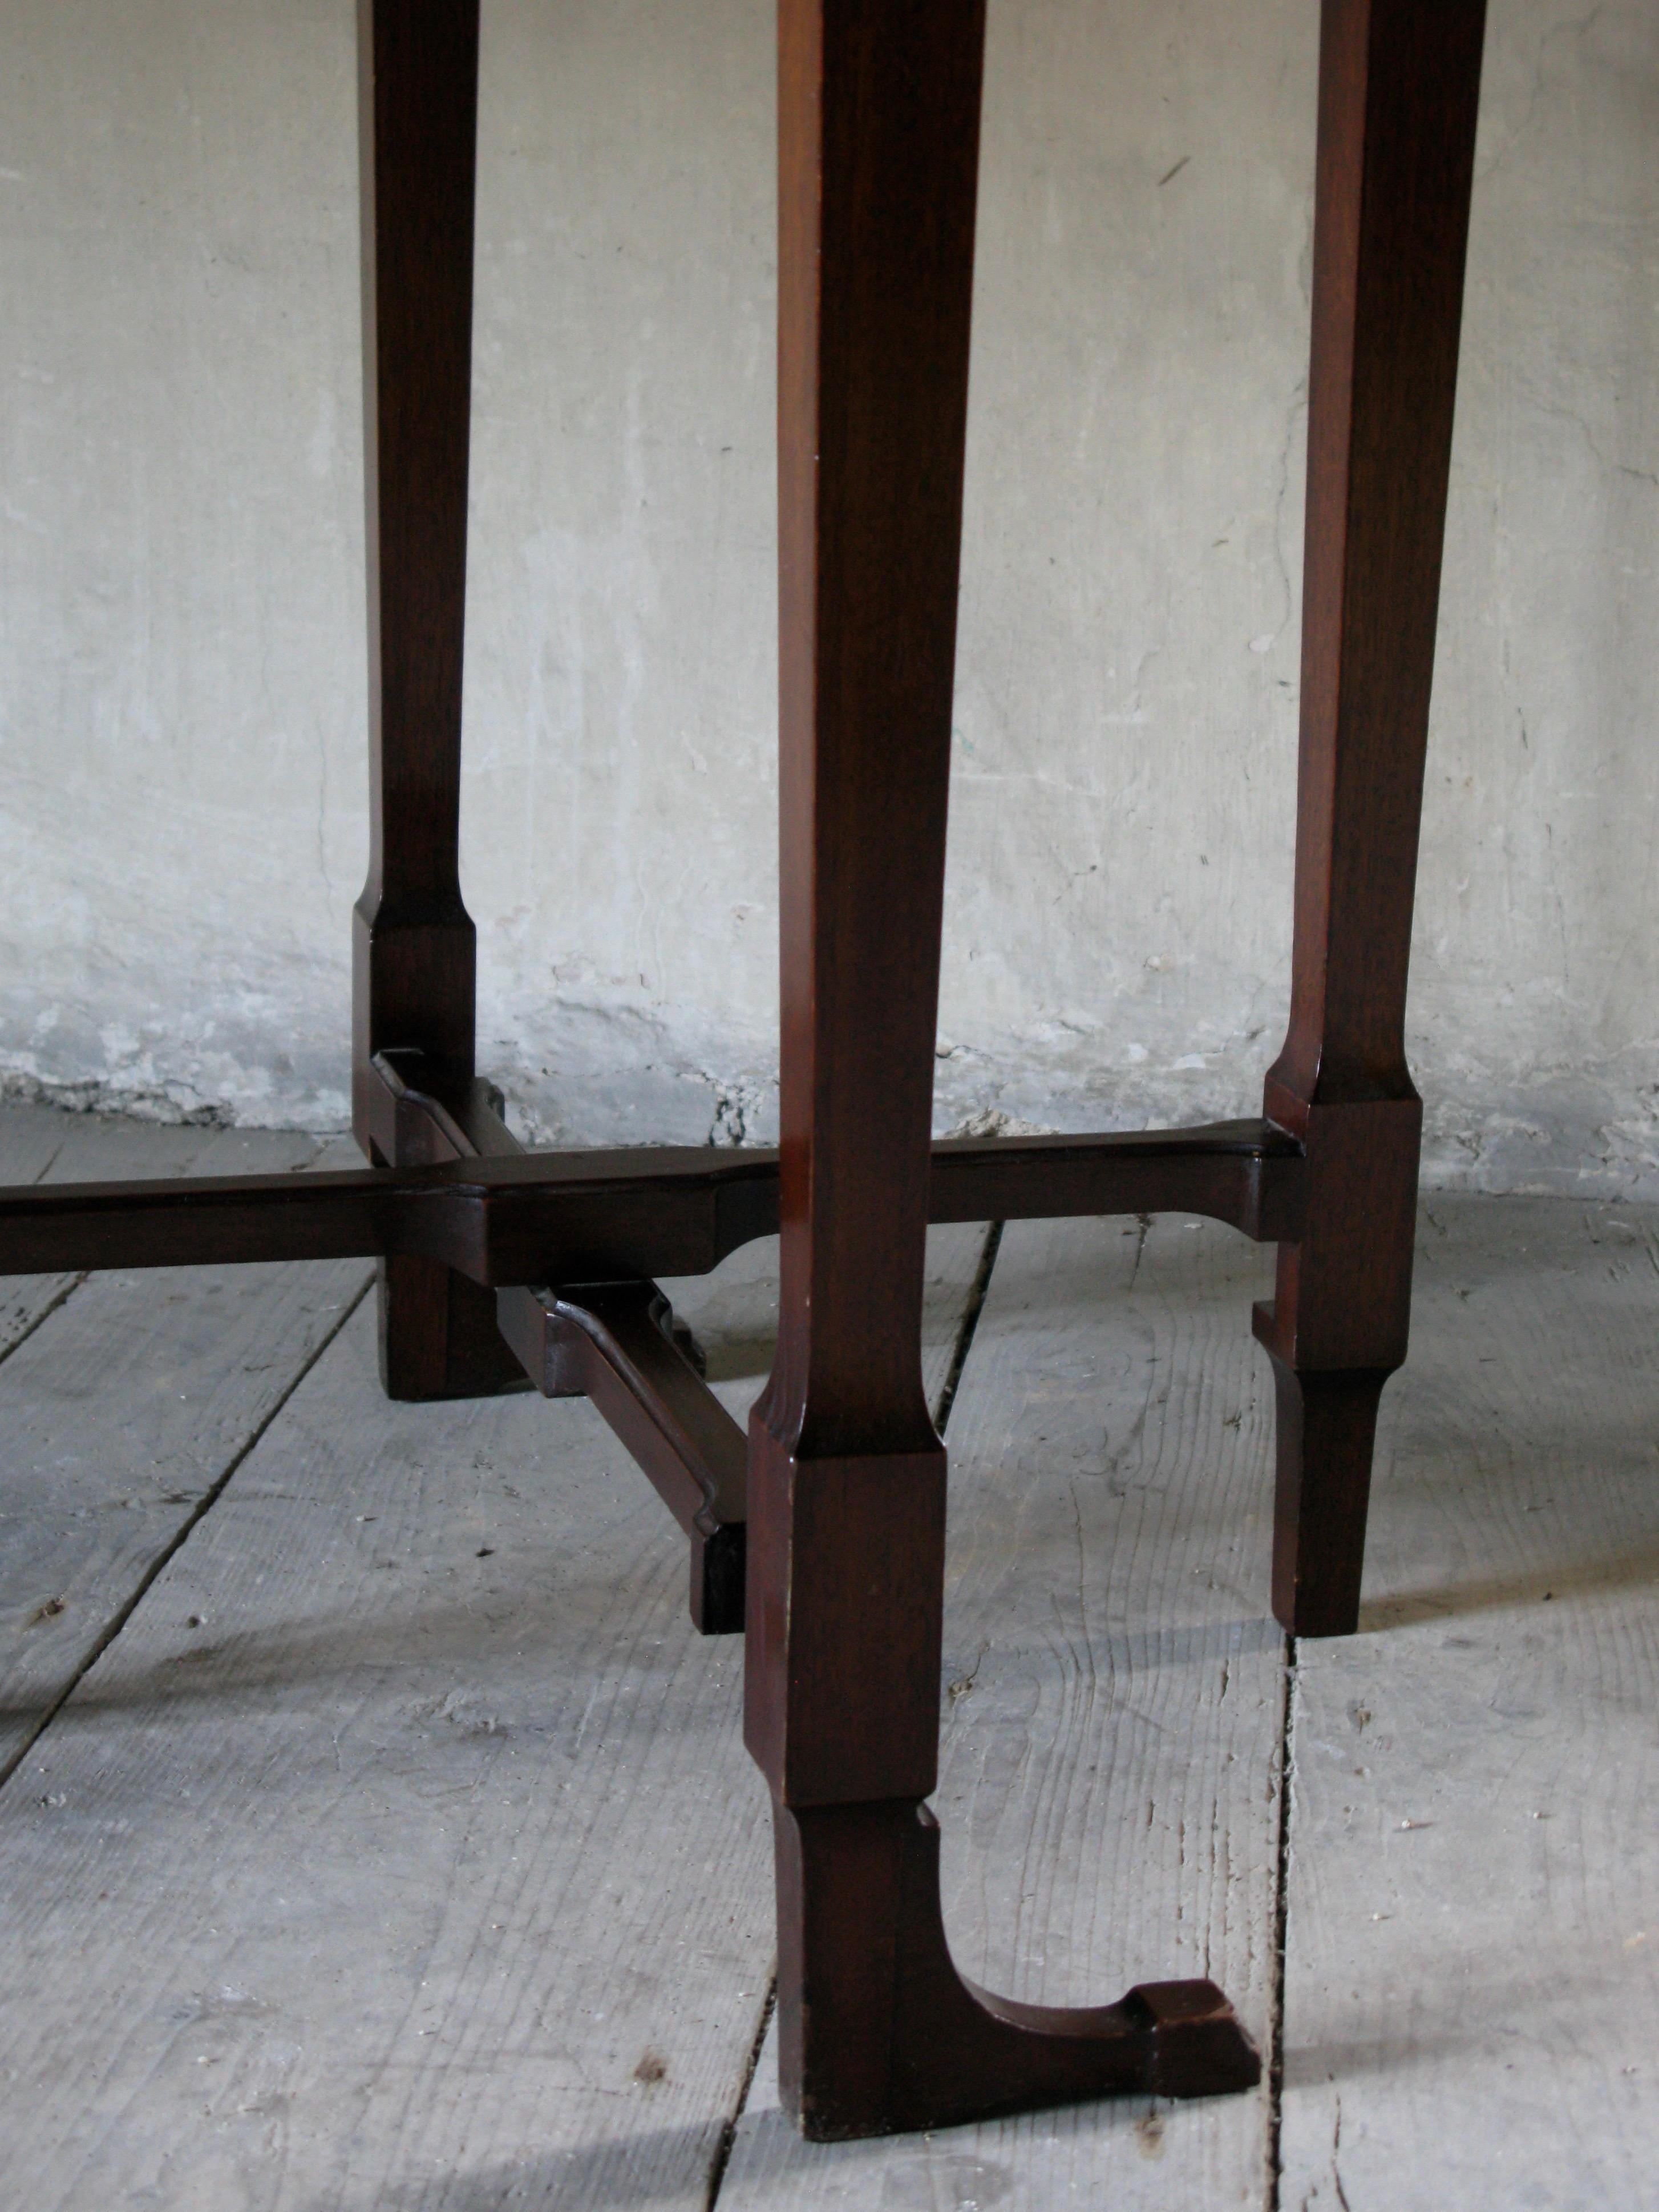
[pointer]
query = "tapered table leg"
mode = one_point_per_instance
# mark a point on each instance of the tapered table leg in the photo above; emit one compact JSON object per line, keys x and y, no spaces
{"x":878,"y":119}
{"x":414,"y":951}
{"x":1399,"y":88}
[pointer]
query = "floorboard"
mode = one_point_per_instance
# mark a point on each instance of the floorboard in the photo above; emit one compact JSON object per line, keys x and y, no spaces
{"x":401,"y":1849}
{"x":128,"y":1397}
{"x":398,"y":1849}
{"x":1472,"y":1975}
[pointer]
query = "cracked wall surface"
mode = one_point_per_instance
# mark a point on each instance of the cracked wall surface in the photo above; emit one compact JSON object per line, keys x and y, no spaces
{"x":182,"y":718}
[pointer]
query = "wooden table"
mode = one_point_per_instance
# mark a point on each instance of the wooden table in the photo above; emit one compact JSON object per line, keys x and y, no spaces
{"x":498,"y":1264}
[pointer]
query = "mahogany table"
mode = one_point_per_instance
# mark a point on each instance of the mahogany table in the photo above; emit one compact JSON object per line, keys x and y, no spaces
{"x":496,"y":1263}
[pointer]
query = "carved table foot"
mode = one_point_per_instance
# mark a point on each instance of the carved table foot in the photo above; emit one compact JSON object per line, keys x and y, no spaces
{"x":879,"y":2034}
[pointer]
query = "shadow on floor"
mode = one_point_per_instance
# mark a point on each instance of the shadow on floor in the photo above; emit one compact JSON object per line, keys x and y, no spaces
{"x":655,"y":2165}
{"x":1625,"y":1570}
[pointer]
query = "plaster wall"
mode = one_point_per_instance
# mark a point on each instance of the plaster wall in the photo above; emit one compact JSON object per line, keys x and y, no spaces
{"x":182,"y":686}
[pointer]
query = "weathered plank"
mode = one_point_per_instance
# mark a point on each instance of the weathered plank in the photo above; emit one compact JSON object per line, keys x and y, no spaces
{"x":1472,"y":1978}
{"x":1112,"y":1711}
{"x":39,"y":1144}
{"x":413,"y":1876}
{"x":402,"y":1849}
{"x":125,"y":1404}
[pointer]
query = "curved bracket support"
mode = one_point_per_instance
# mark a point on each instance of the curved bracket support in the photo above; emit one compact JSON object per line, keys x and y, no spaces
{"x":892,"y":2038}
{"x":879,"y":2032}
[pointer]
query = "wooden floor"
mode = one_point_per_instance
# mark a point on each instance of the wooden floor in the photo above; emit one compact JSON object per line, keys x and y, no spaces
{"x":376,"y":1832}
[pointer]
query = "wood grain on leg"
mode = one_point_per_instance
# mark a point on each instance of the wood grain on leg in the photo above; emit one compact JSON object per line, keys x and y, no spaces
{"x":878,"y":141}
{"x":1398,"y":89}
{"x":413,"y":981}
{"x":1112,"y":1717}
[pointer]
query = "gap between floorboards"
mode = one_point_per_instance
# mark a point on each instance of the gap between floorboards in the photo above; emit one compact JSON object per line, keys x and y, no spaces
{"x":1281,"y":1932}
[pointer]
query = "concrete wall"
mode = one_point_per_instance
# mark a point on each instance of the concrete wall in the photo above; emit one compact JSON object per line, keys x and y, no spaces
{"x":181,"y":661}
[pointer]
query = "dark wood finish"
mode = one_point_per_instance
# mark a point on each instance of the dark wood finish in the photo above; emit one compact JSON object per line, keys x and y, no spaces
{"x":413,"y":954}
{"x":577,"y":1217}
{"x":1399,"y":91}
{"x":1248,"y":1173}
{"x":878,"y":147}
{"x":426,"y":1112}
{"x":514,"y":1217}
{"x":915,"y":2044}
{"x":616,"y":1344}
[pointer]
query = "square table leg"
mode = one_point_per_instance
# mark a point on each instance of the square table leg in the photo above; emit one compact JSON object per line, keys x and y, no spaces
{"x":879,"y":154}
{"x":413,"y":952}
{"x":1399,"y":90}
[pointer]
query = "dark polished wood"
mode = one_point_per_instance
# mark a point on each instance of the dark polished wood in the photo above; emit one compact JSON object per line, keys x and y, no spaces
{"x":614,"y":1342}
{"x":1399,"y":91}
{"x":515,"y":1216}
{"x":1248,"y":1173}
{"x":572,"y":1216}
{"x":413,"y":952}
{"x":878,"y":131}
{"x":915,"y":2042}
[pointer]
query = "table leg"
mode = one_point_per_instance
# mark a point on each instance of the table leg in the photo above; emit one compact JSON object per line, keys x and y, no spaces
{"x":878,"y":131}
{"x":1399,"y":90}
{"x":414,"y":956}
